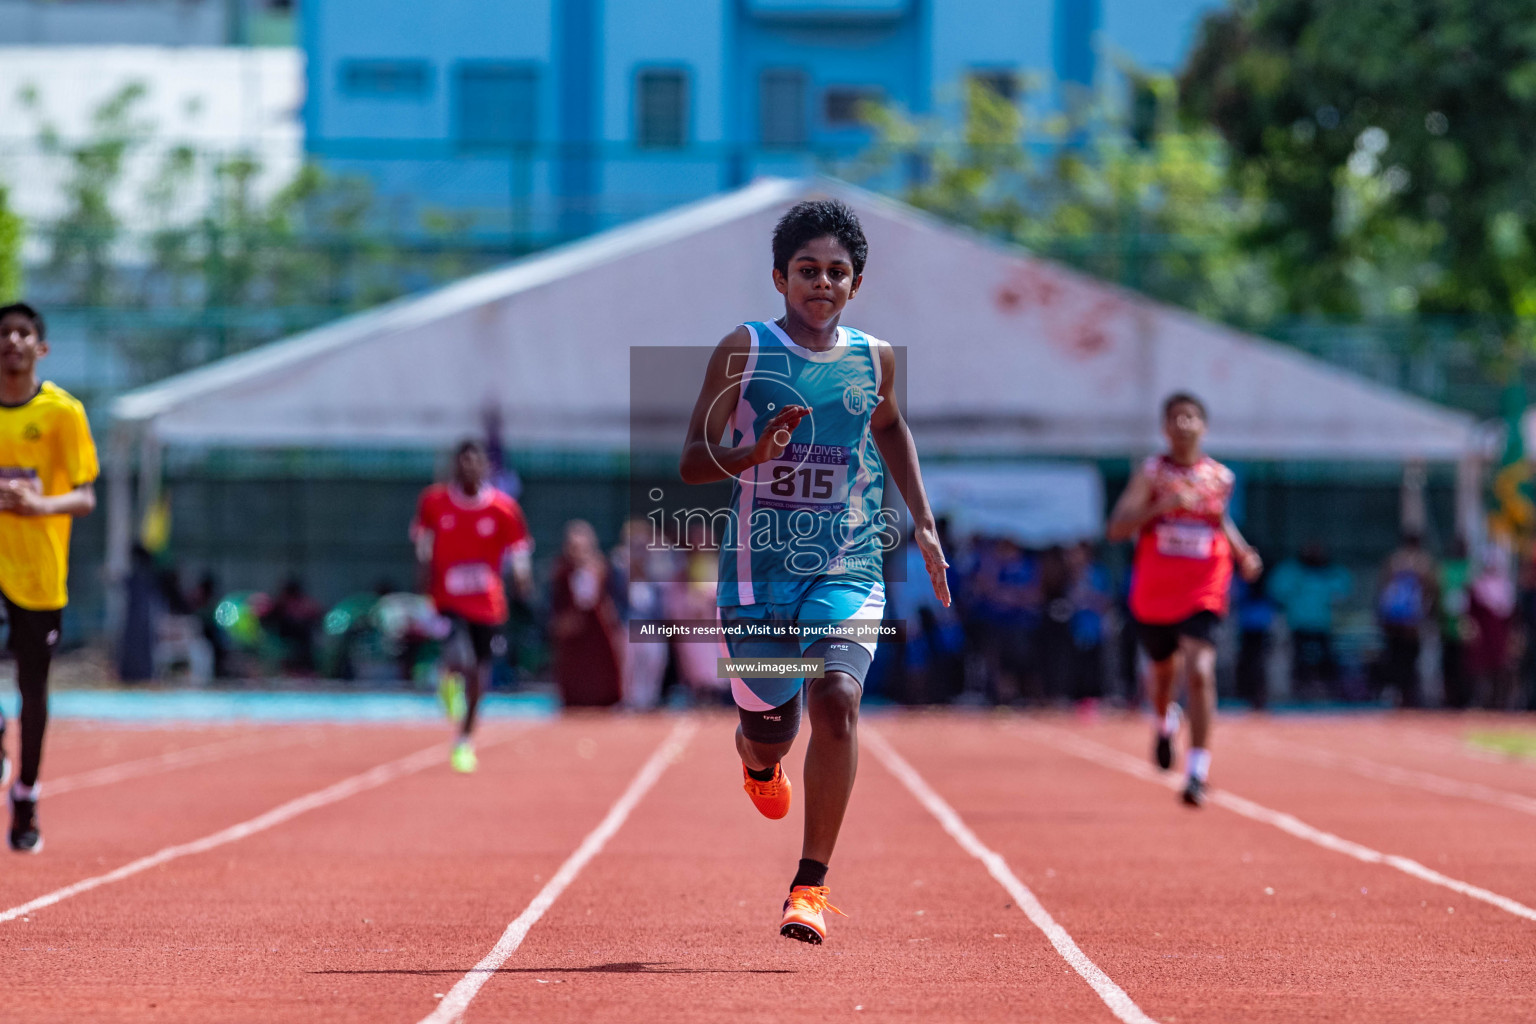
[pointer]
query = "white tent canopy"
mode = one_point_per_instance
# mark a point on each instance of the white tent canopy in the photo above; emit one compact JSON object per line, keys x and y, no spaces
{"x":1006,"y":353}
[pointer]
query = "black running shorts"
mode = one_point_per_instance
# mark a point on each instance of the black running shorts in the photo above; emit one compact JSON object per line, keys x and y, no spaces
{"x":482,"y":640}
{"x":1161,"y":642}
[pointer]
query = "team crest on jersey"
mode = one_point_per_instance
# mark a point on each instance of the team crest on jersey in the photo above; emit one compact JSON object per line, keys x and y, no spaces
{"x":447,"y":522}
{"x":855,"y":400}
{"x":32,"y":432}
{"x":485,"y":526}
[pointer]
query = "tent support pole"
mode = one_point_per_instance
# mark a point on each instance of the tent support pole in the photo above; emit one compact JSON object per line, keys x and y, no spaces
{"x":1470,"y":524}
{"x":149,"y":471}
{"x":1414,"y":507}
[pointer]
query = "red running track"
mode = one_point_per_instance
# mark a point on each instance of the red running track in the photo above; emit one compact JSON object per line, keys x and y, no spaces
{"x":373,"y":903}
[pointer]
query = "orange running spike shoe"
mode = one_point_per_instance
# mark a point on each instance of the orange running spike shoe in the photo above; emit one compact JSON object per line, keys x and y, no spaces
{"x":803,"y":914}
{"x":771,"y":797}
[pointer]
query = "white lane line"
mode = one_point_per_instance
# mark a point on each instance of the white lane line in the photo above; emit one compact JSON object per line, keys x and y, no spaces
{"x":1120,"y":1004}
{"x":1381,"y":772}
{"x":154,"y":765}
{"x":458,"y":998}
{"x":1121,"y":762}
{"x":371,"y":779}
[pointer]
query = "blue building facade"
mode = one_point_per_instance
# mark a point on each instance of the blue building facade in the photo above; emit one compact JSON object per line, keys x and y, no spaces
{"x":548,"y":119}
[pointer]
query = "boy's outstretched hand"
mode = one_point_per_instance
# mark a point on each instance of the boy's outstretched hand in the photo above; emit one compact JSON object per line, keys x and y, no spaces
{"x":933,"y":557}
{"x":1250,"y":564}
{"x":777,"y":432}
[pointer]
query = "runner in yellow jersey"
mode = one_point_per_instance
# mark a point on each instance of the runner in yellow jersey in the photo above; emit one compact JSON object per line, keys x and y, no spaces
{"x":47,"y":474}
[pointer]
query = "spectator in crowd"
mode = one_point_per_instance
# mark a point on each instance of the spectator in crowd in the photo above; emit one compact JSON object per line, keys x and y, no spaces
{"x":292,"y":620}
{"x":691,"y":598}
{"x":979,"y":568}
{"x":965,"y":564}
{"x":1405,"y":598}
{"x":1491,"y":607}
{"x":931,"y":660}
{"x":646,"y":660}
{"x":136,"y":648}
{"x":1010,"y":589}
{"x":584,"y":623}
{"x":1055,"y":648}
{"x":1308,"y":589}
{"x":1456,"y":626}
{"x":1255,"y":629}
{"x":204,"y":602}
{"x":1127,"y":648}
{"x":1090,"y":600}
{"x":1526,"y":642}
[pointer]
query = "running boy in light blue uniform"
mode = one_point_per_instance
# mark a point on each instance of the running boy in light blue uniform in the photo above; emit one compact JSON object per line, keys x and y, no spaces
{"x":809,"y":416}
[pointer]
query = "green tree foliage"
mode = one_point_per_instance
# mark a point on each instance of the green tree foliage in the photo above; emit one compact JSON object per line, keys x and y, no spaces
{"x":81,"y":242}
{"x":11,"y":235}
{"x":226,"y":259}
{"x":1137,"y":200}
{"x":1393,"y":142}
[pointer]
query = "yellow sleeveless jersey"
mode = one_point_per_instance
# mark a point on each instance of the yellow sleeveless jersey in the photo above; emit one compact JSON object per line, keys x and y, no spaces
{"x":47,"y":442}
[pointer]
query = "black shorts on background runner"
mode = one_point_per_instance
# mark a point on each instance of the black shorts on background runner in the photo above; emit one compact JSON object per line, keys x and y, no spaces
{"x":480,"y":639}
{"x":1161,"y":642}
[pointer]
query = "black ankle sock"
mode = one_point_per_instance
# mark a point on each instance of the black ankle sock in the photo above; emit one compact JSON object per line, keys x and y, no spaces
{"x":766,"y":775}
{"x":812,"y":872}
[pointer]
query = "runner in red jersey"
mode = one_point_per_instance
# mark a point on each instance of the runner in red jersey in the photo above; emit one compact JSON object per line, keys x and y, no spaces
{"x":467,"y":533}
{"x":1176,"y":509}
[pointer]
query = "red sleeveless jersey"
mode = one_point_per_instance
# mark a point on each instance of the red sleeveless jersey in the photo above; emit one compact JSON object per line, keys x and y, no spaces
{"x":470,"y":539}
{"x":1183,"y":560}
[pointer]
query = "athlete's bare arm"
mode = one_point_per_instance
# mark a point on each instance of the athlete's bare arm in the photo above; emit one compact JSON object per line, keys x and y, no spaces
{"x":20,"y":498}
{"x":520,"y":565}
{"x":704,"y":460}
{"x":422,"y":539}
{"x":894,"y":440}
{"x":1135,"y":509}
{"x":1248,"y":561}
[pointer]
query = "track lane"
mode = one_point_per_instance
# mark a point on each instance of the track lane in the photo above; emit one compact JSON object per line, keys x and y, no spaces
{"x":1206,"y":916}
{"x":365,"y":910}
{"x":1474,"y":841}
{"x":360,"y":911}
{"x":73,"y":748}
{"x":1434,"y":743}
{"x":97,"y":829}
{"x":677,"y":921}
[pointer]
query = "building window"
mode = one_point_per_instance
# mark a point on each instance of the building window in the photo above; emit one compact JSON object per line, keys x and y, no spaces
{"x":661,"y":105}
{"x":844,"y":106}
{"x":496,"y":104}
{"x":1005,"y":85}
{"x":387,"y":79}
{"x":782,"y":108}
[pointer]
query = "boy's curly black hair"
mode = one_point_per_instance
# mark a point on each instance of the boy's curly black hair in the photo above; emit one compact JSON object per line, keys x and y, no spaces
{"x":815,"y":219}
{"x":1183,"y":398}
{"x":22,"y":309}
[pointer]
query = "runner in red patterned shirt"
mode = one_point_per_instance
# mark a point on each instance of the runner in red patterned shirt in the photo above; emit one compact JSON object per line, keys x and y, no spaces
{"x":1176,"y":509}
{"x":467,"y":533}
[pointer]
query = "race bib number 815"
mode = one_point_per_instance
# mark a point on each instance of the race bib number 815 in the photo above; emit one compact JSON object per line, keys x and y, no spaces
{"x":813,"y":476}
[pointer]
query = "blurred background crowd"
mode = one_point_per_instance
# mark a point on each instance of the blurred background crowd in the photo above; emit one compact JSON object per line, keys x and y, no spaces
{"x":1028,"y":627}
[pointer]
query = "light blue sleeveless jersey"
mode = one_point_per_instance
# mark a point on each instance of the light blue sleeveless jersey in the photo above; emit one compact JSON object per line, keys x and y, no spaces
{"x":815,"y":512}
